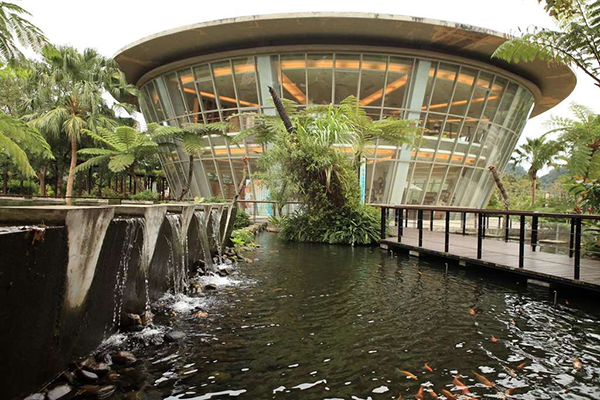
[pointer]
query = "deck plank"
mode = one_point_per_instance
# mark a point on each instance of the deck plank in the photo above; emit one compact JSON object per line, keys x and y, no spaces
{"x":501,"y":255}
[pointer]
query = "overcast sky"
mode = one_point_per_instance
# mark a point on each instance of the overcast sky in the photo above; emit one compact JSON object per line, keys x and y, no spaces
{"x":109,"y":25}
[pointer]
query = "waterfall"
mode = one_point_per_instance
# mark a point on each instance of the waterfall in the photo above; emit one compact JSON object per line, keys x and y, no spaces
{"x":131,"y":234}
{"x":216,"y":230}
{"x":178,"y":256}
{"x":203,"y":238}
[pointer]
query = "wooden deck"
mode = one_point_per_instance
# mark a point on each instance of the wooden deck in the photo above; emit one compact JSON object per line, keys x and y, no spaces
{"x":497,"y":254}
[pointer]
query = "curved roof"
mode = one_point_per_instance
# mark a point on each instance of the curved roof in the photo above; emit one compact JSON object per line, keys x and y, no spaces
{"x":137,"y":59}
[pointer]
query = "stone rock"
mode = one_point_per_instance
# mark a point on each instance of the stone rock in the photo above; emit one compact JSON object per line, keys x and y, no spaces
{"x":123,"y":358}
{"x":92,"y":365}
{"x":87,"y":376}
{"x":132,"y":319}
{"x":174,"y":336}
{"x":210,"y":286}
{"x":97,"y":392}
{"x":147,"y":317}
{"x":36,"y":396}
{"x":59,"y":392}
{"x":134,"y":396}
{"x":113,"y":377}
{"x":68,"y":377}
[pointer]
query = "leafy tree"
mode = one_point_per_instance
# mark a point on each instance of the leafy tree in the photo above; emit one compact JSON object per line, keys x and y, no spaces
{"x":190,"y":136}
{"x":124,"y":148}
{"x":576,"y":41}
{"x":82,"y":79}
{"x":306,"y":156}
{"x":16,"y":30}
{"x":538,"y":153}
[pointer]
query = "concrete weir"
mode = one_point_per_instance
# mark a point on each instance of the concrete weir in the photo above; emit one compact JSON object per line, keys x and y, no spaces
{"x":69,"y":273}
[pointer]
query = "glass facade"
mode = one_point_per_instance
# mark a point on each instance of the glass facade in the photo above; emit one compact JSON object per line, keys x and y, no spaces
{"x":471,"y":119}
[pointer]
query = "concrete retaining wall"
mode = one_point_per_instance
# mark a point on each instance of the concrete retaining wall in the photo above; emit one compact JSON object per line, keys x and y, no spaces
{"x":68,"y":277}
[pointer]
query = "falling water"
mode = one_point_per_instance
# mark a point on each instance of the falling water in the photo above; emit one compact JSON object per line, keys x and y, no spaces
{"x":216,"y":231}
{"x":202,"y":238}
{"x":131,"y":234}
{"x":178,"y":256}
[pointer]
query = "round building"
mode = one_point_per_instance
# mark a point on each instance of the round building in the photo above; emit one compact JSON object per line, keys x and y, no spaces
{"x":473,"y":108}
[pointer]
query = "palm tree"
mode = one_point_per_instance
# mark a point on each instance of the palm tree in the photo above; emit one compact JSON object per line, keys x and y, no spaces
{"x":538,"y":153}
{"x":581,"y":139}
{"x":17,"y":140}
{"x":124,"y":148}
{"x":16,"y":30}
{"x":190,"y":136}
{"x":82,"y":79}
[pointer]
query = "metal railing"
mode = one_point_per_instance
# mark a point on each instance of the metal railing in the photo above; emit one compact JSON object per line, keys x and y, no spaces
{"x":265,"y":208}
{"x":482,"y":223}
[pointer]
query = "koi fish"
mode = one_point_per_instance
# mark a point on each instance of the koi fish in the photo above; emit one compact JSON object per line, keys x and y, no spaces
{"x":399,"y":397}
{"x":460,"y":386}
{"x":577,"y":364}
{"x":567,"y":302}
{"x":448,"y":395}
{"x":493,"y":339}
{"x":512,"y":321}
{"x":511,"y":372}
{"x":483,"y":379}
{"x":472,"y":312}
{"x":419,"y":395}
{"x":409,"y":375}
{"x":432,"y":394}
{"x":428,"y":368}
{"x":522,"y":365}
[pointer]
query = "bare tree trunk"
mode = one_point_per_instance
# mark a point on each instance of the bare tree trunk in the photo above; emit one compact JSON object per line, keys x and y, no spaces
{"x":533,"y":187}
{"x":281,"y":111}
{"x":5,"y":180}
{"x":500,"y":185}
{"x":188,"y":184}
{"x":100,"y":183}
{"x":21,"y":187}
{"x":42,"y":178}
{"x":71,"y":178}
{"x":135,"y":178}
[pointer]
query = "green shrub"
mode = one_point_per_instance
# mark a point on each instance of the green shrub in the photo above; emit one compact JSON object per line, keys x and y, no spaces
{"x":29,"y":187}
{"x":213,"y":199}
{"x":106,"y":192}
{"x":242,"y":219}
{"x":355,"y":226}
{"x":241,"y":238}
{"x":147,"y":195}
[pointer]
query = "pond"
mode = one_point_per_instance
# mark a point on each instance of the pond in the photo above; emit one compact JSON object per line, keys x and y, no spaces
{"x":332,"y":322}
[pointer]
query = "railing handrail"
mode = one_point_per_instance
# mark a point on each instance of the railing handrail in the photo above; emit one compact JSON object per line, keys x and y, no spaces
{"x":486,"y":211}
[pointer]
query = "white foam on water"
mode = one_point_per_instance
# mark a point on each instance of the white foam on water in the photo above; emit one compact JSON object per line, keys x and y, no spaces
{"x":381,"y":389}
{"x":219,"y":281}
{"x":304,"y":386}
{"x":182,"y":304}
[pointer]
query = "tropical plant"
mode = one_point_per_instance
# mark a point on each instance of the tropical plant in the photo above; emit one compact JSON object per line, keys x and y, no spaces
{"x":242,"y":238}
{"x":124,"y":147}
{"x":308,"y":156}
{"x":147,"y":195}
{"x":576,"y":41}
{"x":242,"y":219}
{"x":17,"y":140}
{"x":190,"y":136}
{"x":82,"y":79}
{"x":538,"y":153}
{"x":16,"y":30}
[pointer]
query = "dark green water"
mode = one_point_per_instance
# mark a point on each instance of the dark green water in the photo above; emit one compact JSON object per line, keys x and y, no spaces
{"x":331,"y":322}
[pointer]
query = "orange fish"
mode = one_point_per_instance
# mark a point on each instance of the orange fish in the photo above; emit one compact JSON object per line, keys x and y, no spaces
{"x":409,"y":375}
{"x":420,"y":272}
{"x":399,"y":397}
{"x":419,"y":395}
{"x":460,"y":386}
{"x":428,"y":368}
{"x":483,"y":379}
{"x":577,"y":364}
{"x":522,"y":365}
{"x":493,"y":339}
{"x":512,"y":321}
{"x":511,"y":372}
{"x":472,"y":312}
{"x":432,"y":394}
{"x":567,"y":302}
{"x":448,"y":395}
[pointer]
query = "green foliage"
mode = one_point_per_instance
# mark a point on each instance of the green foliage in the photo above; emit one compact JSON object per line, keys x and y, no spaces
{"x":29,"y":187}
{"x":111,"y":193}
{"x":147,"y":195}
{"x":242,"y":219}
{"x":242,"y":238}
{"x":575,"y":42}
{"x":354,"y":225}
{"x":16,"y":31}
{"x":213,"y":199}
{"x":308,"y":163}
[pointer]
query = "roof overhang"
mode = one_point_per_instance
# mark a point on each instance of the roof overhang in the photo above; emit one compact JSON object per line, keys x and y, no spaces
{"x":555,"y":82}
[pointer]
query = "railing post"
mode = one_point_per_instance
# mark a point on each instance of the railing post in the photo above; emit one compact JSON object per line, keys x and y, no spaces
{"x":534,"y":232}
{"x":507,"y":228}
{"x":577,"y":248}
{"x":484,"y":222}
{"x":522,"y":242}
{"x":420,"y":226}
{"x":431,"y":220}
{"x":572,"y":238}
{"x":254,"y":208}
{"x":447,"y":233}
{"x":464,"y":223}
{"x":479,"y":234}
{"x":406,"y":220}
{"x":383,"y":222}
{"x":400,"y":213}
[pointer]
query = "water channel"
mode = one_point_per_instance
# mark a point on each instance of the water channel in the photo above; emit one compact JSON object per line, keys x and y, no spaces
{"x":332,"y":322}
